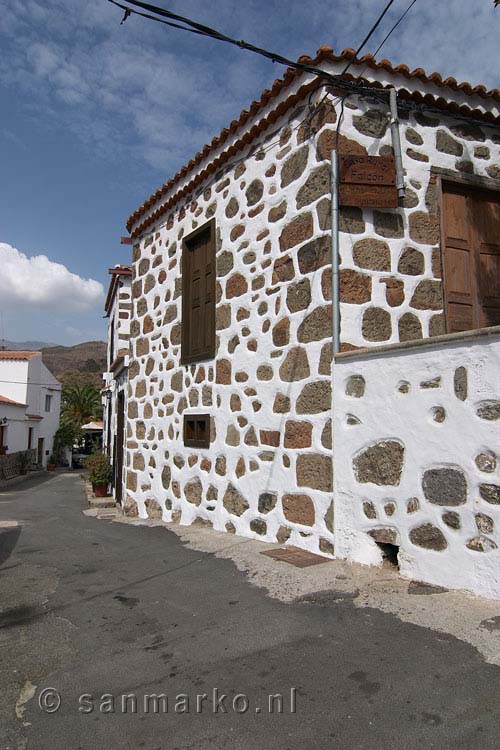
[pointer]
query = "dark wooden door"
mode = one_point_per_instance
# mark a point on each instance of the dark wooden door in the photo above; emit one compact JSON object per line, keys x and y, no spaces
{"x":120,"y":437}
{"x":471,"y":255}
{"x":198,"y":295}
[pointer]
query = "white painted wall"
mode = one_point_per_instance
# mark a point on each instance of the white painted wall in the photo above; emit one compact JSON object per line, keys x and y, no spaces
{"x":15,"y":434}
{"x":33,"y":382}
{"x":385,"y":413}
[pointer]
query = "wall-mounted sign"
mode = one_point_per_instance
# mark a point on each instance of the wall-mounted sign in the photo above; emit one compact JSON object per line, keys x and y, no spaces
{"x":368,"y":181}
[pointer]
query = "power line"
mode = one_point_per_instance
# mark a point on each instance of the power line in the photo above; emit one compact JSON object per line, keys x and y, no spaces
{"x":197,"y":28}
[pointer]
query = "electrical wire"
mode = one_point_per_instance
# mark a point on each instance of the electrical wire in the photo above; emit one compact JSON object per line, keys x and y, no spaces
{"x":195,"y":27}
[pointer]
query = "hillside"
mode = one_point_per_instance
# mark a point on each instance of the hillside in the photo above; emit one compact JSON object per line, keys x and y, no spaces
{"x":29,"y":346}
{"x":82,"y":364}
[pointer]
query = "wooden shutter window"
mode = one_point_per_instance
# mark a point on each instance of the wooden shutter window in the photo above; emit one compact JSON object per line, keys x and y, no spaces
{"x":471,"y":254}
{"x":198,"y":295}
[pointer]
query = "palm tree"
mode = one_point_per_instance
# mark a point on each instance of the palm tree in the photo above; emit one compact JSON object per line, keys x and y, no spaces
{"x":80,"y":404}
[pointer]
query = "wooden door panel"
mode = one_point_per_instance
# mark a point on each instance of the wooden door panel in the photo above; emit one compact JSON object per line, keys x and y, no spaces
{"x":458,"y":263}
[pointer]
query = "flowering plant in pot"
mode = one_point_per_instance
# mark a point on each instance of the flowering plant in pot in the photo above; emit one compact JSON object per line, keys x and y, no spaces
{"x":100,"y":474}
{"x":51,"y":463}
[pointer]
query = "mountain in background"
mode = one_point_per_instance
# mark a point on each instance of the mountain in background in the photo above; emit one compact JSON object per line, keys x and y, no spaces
{"x":82,"y":364}
{"x":28,"y":346}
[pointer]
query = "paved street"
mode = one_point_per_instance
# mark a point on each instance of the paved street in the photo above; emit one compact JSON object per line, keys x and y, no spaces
{"x":95,"y":607}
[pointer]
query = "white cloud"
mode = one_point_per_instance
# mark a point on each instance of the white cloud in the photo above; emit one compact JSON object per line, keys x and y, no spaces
{"x":144,"y":92}
{"x":39,"y":283}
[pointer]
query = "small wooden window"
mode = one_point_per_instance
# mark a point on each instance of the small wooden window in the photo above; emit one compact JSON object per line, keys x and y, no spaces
{"x":48,"y":402}
{"x":198,"y":295}
{"x":197,"y":430}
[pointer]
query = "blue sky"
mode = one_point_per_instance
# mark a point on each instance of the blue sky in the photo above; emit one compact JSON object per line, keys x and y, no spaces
{"x":95,"y":116}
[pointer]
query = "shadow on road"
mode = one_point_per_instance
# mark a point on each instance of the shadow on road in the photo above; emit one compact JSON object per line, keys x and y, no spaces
{"x":8,"y":540}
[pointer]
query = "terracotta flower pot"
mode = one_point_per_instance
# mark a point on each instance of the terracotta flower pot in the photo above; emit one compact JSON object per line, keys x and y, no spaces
{"x":100,"y":490}
{"x":51,"y":467}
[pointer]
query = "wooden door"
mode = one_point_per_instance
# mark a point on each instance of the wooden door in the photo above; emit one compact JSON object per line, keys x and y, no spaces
{"x":471,"y":255}
{"x":198,"y":295}
{"x":118,"y":453}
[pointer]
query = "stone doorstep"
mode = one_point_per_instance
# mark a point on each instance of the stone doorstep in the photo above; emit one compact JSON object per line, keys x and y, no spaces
{"x":102,"y":502}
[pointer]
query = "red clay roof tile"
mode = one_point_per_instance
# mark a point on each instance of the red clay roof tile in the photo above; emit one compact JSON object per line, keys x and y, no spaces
{"x":324,"y":54}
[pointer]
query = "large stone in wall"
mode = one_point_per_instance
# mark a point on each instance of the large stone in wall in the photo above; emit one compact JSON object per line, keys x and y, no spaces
{"x":283,"y":269}
{"x":489,"y":410}
{"x":298,"y":295}
{"x":372,"y":123}
{"x":281,"y":332}
{"x":315,"y":398}
{"x":409,"y":327}
{"x":355,"y":288}
{"x":166,"y":476}
{"x":316,"y":185}
{"x":298,"y":434}
{"x":254,"y":192}
{"x":428,"y":537}
{"x":267,"y":502}
{"x":294,"y":166}
{"x":490,"y":493}
{"x":277,"y":212}
{"x":316,"y":326}
{"x":327,"y":141}
{"x":388,"y":224}
{"x":232,"y":208}
{"x":314,"y":255}
{"x":236,"y":285}
{"x":223,"y":317}
{"x":411,"y":262}
{"x":296,"y":231}
{"x":298,"y":509}
{"x":234,"y":502}
{"x":468,"y":131}
{"x":428,"y":295}
{"x":350,"y":220}
{"x":448,"y":145}
{"x":424,"y":228}
{"x":193,"y":491}
{"x":376,"y":324}
{"x":314,"y":470}
{"x":225,"y":263}
{"x":381,"y":463}
{"x":295,"y":365}
{"x":460,"y":383}
{"x":372,"y":254}
{"x":445,"y":486}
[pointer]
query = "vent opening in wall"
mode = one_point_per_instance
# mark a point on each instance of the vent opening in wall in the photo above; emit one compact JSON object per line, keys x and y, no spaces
{"x":389,"y":554}
{"x":197,"y":430}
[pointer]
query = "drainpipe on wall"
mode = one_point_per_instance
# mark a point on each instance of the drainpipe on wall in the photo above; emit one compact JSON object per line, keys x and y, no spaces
{"x":335,"y":254}
{"x":396,"y":143}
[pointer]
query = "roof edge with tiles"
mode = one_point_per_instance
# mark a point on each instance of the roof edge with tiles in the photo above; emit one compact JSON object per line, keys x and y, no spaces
{"x":324,"y":54}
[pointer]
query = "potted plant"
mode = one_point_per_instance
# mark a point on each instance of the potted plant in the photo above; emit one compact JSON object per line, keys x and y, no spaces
{"x":51,"y":463}
{"x":100,"y":474}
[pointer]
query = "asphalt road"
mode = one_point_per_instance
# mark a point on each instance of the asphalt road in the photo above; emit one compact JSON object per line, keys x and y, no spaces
{"x":96,"y":608}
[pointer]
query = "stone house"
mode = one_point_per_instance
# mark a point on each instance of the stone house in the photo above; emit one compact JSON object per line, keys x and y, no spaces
{"x":230,"y":409}
{"x":114,"y":392}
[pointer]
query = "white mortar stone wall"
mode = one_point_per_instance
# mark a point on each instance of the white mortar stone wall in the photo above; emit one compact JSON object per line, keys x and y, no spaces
{"x":417,"y":445}
{"x":272,"y":366}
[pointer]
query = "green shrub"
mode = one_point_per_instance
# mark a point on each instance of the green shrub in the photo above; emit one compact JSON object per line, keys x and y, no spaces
{"x":99,"y":468}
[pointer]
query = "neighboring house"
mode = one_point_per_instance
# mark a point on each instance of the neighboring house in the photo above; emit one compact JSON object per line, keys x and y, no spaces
{"x":117,"y":308}
{"x":230,"y":407}
{"x":30,"y":401}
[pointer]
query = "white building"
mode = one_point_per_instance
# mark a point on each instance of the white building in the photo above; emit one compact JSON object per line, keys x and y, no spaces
{"x":230,"y":412}
{"x":30,"y":402}
{"x":117,"y":308}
